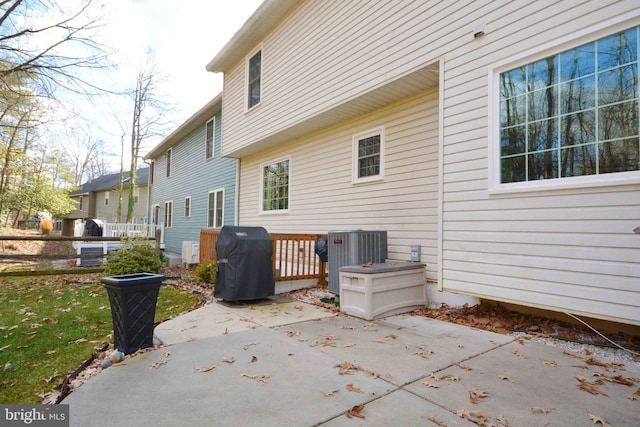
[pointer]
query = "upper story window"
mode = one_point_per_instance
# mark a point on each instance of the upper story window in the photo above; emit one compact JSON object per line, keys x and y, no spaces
{"x":106,"y":198}
{"x":368,"y":156}
{"x":152,"y":171}
{"x":215,"y":210}
{"x":168,"y":156}
{"x":572,"y":114}
{"x":210,"y":139}
{"x":136,"y":196}
{"x":275,"y":186}
{"x":254,"y":85}
{"x":168,"y":214}
{"x":80,"y":203}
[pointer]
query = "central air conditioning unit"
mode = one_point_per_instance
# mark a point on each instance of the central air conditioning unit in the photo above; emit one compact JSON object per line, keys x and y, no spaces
{"x":353,"y":248}
{"x":190,"y":253}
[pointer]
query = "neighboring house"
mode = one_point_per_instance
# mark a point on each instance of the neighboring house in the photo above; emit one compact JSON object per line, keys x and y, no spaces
{"x":98,"y":199}
{"x":501,"y":137}
{"x":192,"y":185}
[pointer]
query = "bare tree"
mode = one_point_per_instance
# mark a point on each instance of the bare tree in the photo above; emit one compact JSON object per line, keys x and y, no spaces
{"x":50,"y":43}
{"x":148,"y":111}
{"x":83,"y":150}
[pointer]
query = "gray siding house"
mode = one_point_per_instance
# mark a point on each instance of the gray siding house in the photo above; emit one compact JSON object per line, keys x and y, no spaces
{"x":191,"y":186}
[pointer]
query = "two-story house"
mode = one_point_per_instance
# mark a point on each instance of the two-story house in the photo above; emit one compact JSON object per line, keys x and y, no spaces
{"x":98,"y":199}
{"x":191,"y":186}
{"x":501,"y":137}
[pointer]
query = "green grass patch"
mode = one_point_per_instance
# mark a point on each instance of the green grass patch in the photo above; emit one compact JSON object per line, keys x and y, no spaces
{"x":50,"y":326}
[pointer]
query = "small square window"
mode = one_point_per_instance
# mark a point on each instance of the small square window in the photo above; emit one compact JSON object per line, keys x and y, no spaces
{"x":368,"y":156}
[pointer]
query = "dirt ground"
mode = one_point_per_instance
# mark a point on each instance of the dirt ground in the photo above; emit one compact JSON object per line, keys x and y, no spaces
{"x":29,"y":247}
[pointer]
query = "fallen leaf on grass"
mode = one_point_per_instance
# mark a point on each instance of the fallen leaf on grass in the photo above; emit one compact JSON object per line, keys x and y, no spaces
{"x":476,"y":394}
{"x":476,"y":417}
{"x":207,"y":368}
{"x":538,"y":410}
{"x":261,"y":378}
{"x":596,"y":419}
{"x":351,"y":388}
{"x":48,"y":380}
{"x":355,"y":412}
{"x":434,"y":420}
{"x":6,"y":366}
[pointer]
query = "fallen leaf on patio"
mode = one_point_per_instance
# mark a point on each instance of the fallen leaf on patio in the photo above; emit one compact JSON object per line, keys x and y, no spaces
{"x":328,"y":344}
{"x":428,"y":384}
{"x":591,"y":389}
{"x":353,"y":328}
{"x":476,"y":394}
{"x":494,"y":342}
{"x":580,"y":366}
{"x":449,"y":377}
{"x":617,"y":379}
{"x":550,"y":363}
{"x":587,"y":380}
{"x":156,"y":365}
{"x":633,"y":396}
{"x":390,"y":377}
{"x":299,"y":307}
{"x":423,"y":354}
{"x":253,"y":359}
{"x":355,"y":412}
{"x":538,"y":410}
{"x":502,"y":421}
{"x":226,"y":331}
{"x":367,"y":264}
{"x":504,"y":377}
{"x":207,"y":368}
{"x":349,"y":345}
{"x":596,"y":419}
{"x":261,"y":378}
{"x":477,"y":417}
{"x":465,"y":367}
{"x":434,"y":420}
{"x":517,"y":353}
{"x":291,"y":334}
{"x":352,"y":388}
{"x":246,"y":346}
{"x":228,"y":359}
{"x":331,"y":392}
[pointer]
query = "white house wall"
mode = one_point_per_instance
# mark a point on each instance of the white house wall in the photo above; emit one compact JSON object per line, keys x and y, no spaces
{"x":322,"y":197}
{"x":569,"y":248}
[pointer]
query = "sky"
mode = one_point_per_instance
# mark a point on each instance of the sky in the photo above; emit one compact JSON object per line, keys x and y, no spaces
{"x":184,"y":36}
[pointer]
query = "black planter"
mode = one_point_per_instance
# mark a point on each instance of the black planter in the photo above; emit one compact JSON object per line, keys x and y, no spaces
{"x":133,"y":299}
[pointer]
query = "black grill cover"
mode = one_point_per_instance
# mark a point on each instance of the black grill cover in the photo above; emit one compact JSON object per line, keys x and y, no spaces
{"x":245,"y":270}
{"x":93,"y":228}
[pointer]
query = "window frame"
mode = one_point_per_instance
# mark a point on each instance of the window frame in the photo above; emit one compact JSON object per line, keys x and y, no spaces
{"x":262,"y":211}
{"x":217,"y":220}
{"x":210,"y":155}
{"x":155,"y":213}
{"x":169,"y":161}
{"x":152,"y":171}
{"x":556,"y":47}
{"x":168,"y":214}
{"x":248,"y":81}
{"x":106,"y":198}
{"x":187,"y":207}
{"x":355,"y":161}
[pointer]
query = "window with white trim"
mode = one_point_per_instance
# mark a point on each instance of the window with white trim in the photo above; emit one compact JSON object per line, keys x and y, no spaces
{"x":168,"y":155}
{"x":106,"y":198}
{"x":215,"y":210}
{"x":368,"y":156}
{"x":152,"y":171}
{"x":254,"y":79}
{"x":168,"y":213}
{"x":275,"y":186}
{"x":136,"y":195}
{"x":187,"y":207}
{"x":155,"y":214}
{"x":210,"y":139}
{"x":572,"y":114}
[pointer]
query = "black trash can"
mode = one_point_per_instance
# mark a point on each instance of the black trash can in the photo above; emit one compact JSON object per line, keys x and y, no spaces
{"x":133,"y":299}
{"x":93,"y":228}
{"x":245,"y":269}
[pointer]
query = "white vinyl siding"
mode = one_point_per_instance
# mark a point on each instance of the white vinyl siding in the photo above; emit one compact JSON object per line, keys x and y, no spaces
{"x":323,"y":198}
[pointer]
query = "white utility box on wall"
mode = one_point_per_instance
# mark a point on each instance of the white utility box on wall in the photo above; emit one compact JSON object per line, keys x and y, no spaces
{"x":190,"y":253}
{"x":382,"y":289}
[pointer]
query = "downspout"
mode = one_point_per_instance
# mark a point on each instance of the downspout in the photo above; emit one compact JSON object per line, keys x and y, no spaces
{"x":237,"y":195}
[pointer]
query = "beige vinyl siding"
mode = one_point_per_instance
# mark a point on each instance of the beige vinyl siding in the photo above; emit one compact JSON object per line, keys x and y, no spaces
{"x":566,"y":250}
{"x":322,"y":197}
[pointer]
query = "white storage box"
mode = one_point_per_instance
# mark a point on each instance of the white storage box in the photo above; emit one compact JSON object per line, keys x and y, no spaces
{"x":382,"y":289}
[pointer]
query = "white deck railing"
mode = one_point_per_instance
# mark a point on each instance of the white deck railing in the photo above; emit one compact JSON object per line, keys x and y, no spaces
{"x":125,"y":230}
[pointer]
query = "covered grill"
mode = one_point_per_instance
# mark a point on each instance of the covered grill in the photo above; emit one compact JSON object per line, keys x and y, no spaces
{"x":245,"y":269}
